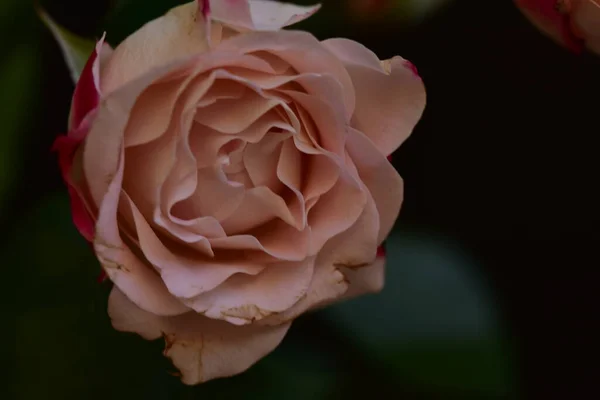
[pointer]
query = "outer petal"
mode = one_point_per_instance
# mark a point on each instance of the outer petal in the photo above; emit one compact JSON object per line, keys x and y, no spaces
{"x":178,"y":34}
{"x":87,"y":91}
{"x":259,"y":15}
{"x":85,"y":101}
{"x":390,"y":97}
{"x":201,"y":348}
{"x":304,"y":53}
{"x":129,"y":273}
{"x":380,"y":177}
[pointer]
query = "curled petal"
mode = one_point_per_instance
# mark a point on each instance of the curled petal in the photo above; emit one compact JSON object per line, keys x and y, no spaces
{"x":201,"y":348}
{"x":259,"y":15}
{"x":243,"y":299}
{"x":128,"y":272}
{"x":380,"y":177}
{"x":389,"y":100}
{"x":174,"y":36}
{"x":87,"y":90}
{"x":304,"y":53}
{"x":184,"y":277}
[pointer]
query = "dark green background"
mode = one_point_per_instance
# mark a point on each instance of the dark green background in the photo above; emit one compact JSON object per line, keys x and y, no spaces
{"x":487,"y":263}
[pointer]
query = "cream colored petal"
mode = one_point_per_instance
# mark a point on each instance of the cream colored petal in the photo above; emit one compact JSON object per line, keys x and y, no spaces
{"x":388,"y":105}
{"x":275,"y":238}
{"x":185,"y":277}
{"x":380,"y":177}
{"x":102,"y":145}
{"x":334,"y":282}
{"x":336,"y":211}
{"x":357,"y":245}
{"x":153,"y":111}
{"x":176,"y":35}
{"x":235,"y":115}
{"x":259,"y":15}
{"x":303,"y":52}
{"x":201,"y":348}
{"x":327,"y":127}
{"x":244,"y":299}
{"x":261,"y":160}
{"x":215,"y":195}
{"x":260,"y":205}
{"x":290,"y":171}
{"x":321,"y":175}
{"x":130,"y":274}
{"x":327,"y":285}
{"x":353,"y":53}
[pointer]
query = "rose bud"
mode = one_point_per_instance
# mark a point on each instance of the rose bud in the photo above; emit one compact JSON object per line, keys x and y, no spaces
{"x":232,"y":175}
{"x":573,"y":23}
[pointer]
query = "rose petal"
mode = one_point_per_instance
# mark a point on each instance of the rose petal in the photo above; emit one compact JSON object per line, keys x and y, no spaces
{"x":388,"y":105}
{"x":138,"y":281}
{"x":176,"y":35}
{"x":259,"y":15}
{"x":327,"y":285}
{"x":379,"y":176}
{"x":215,"y":196}
{"x":357,"y":245}
{"x":351,"y":52}
{"x":185,"y":277}
{"x":235,"y":115}
{"x":87,"y":90}
{"x":100,"y":156}
{"x":260,"y":205}
{"x":303,"y":52}
{"x":245,"y":299}
{"x":268,"y":239}
{"x":201,"y":348}
{"x":290,"y":173}
{"x":336,"y":211}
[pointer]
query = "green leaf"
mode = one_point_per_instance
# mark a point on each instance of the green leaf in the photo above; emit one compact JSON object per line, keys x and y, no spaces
{"x":76,"y":49}
{"x":435,"y":324}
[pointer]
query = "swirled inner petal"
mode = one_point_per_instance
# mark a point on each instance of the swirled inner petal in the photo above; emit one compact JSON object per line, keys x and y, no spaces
{"x":185,"y":277}
{"x":275,"y":238}
{"x":260,"y":205}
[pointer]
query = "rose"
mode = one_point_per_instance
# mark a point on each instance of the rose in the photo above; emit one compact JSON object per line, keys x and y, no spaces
{"x":232,"y":175}
{"x":572,"y":23}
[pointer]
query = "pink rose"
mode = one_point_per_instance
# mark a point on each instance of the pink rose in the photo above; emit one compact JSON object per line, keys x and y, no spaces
{"x":572,"y":23}
{"x":232,"y":175}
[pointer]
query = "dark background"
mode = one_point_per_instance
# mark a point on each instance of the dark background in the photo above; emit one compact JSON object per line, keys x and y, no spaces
{"x":491,"y":290}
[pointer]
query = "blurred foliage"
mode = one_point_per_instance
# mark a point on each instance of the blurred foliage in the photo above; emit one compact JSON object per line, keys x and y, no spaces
{"x":19,"y":80}
{"x":435,"y":322}
{"x":433,"y":333}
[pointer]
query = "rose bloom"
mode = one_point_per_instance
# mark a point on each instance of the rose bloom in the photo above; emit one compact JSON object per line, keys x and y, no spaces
{"x":232,"y":175}
{"x":572,"y":23}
